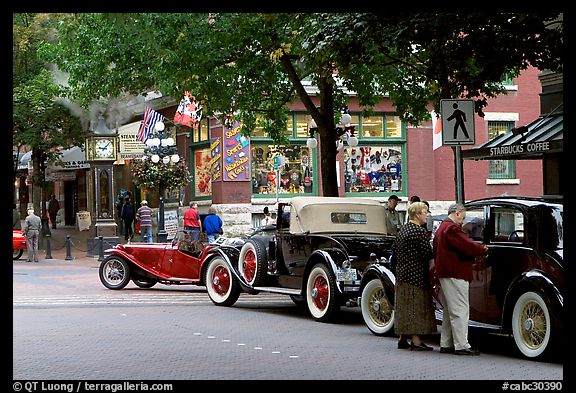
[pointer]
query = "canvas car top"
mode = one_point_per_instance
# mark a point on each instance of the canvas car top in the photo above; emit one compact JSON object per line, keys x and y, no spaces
{"x":336,"y":215}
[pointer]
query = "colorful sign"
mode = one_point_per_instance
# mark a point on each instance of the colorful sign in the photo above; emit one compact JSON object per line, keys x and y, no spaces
{"x":236,"y":154}
{"x":216,"y":159}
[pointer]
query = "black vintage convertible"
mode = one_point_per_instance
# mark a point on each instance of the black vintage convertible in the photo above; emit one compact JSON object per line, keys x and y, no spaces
{"x":315,"y":253}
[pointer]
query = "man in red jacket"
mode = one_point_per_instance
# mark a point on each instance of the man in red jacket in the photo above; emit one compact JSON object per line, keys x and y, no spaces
{"x":454,"y":253}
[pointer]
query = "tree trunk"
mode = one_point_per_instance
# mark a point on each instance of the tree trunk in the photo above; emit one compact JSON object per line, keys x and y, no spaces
{"x":327,"y":145}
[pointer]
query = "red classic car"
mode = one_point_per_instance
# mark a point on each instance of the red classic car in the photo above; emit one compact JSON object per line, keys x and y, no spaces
{"x":18,"y":243}
{"x":180,"y":262}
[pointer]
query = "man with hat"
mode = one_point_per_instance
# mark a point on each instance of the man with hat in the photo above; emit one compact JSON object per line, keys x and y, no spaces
{"x":392,"y":216}
{"x":144,"y":217}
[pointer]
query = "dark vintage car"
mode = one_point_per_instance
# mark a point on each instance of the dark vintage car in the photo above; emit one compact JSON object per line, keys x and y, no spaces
{"x":518,"y":289}
{"x":316,"y":254}
{"x":18,"y":243}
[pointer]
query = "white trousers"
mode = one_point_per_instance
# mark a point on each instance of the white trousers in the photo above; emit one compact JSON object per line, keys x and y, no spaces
{"x":454,"y":332}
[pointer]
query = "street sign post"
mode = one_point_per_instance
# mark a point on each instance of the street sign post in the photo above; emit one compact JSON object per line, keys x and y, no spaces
{"x":457,"y":122}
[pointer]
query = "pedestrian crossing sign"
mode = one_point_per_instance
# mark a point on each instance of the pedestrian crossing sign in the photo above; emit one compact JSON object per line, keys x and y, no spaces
{"x":457,"y":122}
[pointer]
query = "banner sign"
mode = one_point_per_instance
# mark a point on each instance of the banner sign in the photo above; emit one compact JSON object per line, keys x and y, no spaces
{"x":236,"y":156}
{"x":216,"y":159}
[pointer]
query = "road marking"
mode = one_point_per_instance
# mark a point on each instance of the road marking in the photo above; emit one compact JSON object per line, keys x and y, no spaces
{"x":138,"y":299}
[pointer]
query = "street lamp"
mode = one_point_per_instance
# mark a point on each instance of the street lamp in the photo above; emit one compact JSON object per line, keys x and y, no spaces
{"x":343,"y":128}
{"x":161,"y":149}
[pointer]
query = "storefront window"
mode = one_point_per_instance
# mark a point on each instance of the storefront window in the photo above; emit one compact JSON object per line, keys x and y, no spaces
{"x":373,"y":169}
{"x":393,"y":126}
{"x":202,"y":173}
{"x":295,"y":176}
{"x":372,"y":127}
{"x":302,"y":122}
{"x":200,"y":133}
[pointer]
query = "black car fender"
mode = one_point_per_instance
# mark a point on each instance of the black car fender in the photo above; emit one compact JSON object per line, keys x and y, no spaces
{"x":537,"y":281}
{"x":331,"y":257}
{"x":381,"y":272}
{"x":228,"y":254}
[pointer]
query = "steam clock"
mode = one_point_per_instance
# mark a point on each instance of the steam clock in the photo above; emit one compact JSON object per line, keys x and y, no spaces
{"x":101,"y":148}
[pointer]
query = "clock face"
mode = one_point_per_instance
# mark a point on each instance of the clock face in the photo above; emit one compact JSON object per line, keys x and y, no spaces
{"x":104,"y":148}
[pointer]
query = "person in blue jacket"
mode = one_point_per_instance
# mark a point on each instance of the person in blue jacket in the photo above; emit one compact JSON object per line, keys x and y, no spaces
{"x":212,"y":225}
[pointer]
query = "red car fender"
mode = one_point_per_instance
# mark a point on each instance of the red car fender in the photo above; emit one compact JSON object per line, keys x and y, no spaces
{"x":18,"y":240}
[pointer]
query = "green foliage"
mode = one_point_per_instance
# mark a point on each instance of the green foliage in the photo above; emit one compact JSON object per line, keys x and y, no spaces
{"x":258,"y":61}
{"x":149,"y":176}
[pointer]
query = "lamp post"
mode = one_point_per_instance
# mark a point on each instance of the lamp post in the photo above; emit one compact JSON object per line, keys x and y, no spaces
{"x":342,"y":128}
{"x":161,"y":149}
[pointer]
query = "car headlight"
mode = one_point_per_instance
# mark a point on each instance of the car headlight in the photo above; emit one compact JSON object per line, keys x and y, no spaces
{"x":346,"y":265}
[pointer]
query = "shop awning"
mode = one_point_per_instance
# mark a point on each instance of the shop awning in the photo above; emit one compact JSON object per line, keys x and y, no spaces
{"x":70,"y":159}
{"x":541,"y":137}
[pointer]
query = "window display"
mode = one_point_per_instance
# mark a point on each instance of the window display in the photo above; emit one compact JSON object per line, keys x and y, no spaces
{"x":202,"y":173}
{"x":373,"y":169}
{"x":288,"y":168}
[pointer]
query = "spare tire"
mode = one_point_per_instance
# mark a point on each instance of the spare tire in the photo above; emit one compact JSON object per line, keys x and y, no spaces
{"x":253,"y":262}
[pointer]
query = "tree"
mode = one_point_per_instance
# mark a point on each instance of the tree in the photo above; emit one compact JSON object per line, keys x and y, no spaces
{"x":258,"y":62}
{"x":41,"y":120}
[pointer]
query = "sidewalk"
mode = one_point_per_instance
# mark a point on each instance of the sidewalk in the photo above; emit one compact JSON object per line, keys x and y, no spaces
{"x":82,"y":247}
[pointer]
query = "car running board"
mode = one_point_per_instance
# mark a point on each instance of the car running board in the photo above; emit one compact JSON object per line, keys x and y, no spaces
{"x":285,"y":291}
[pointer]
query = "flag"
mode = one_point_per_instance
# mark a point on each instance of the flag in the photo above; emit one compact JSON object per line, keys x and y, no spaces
{"x":437,"y":128}
{"x":189,"y":112}
{"x":151,"y":117}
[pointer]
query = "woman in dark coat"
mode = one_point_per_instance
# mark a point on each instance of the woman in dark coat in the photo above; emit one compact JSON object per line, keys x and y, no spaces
{"x":413,"y":309}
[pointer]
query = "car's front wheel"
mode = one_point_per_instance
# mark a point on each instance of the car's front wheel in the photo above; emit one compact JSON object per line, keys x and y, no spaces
{"x":321,"y":293}
{"x":377,"y":309}
{"x":16,"y":254}
{"x":222,"y":287}
{"x":114,"y":272}
{"x":533,"y":325}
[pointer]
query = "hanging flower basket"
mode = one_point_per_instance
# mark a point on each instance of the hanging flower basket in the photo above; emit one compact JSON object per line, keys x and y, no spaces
{"x":148,"y":175}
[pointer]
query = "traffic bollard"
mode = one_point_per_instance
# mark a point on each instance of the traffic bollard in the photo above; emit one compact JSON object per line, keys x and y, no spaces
{"x":68,"y":250}
{"x":48,"y":248}
{"x":101,"y":248}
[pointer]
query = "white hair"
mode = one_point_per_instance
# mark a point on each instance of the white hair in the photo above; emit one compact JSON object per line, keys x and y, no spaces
{"x":30,"y":211}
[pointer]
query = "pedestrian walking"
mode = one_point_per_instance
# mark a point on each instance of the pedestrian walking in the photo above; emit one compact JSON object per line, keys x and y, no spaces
{"x":32,"y":225}
{"x":454,"y":253}
{"x":212,"y":225}
{"x":414,"y":307}
{"x":144,"y":217}
{"x":53,"y":207}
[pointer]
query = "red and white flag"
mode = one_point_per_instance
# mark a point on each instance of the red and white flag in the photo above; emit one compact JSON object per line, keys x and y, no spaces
{"x":437,"y":128}
{"x":189,"y":112}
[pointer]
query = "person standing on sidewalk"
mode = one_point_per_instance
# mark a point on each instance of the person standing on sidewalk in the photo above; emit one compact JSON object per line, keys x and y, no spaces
{"x":127,"y":214}
{"x":53,"y":207}
{"x":32,"y":225}
{"x":392,"y":216}
{"x":16,"y":224}
{"x":192,"y":222}
{"x":212,"y":225}
{"x":454,"y":254}
{"x":144,"y":217}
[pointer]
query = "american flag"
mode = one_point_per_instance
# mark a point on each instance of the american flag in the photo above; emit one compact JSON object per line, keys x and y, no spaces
{"x":151,"y":117}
